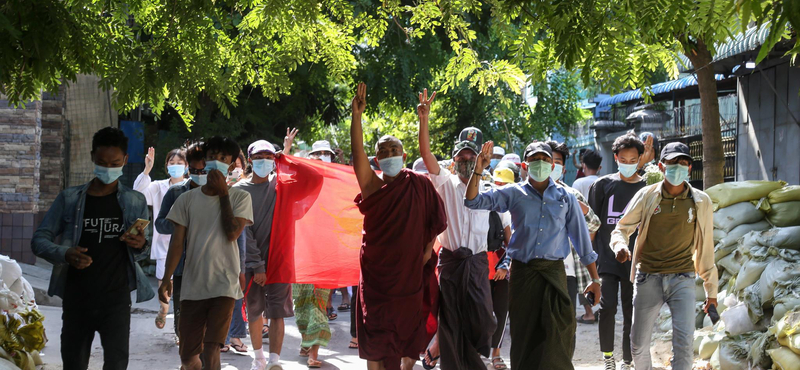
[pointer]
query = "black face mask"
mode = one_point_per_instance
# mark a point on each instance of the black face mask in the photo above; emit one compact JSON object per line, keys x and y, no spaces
{"x":464,"y":168}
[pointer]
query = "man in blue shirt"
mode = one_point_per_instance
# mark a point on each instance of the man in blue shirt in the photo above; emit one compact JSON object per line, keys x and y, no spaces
{"x":545,"y":217}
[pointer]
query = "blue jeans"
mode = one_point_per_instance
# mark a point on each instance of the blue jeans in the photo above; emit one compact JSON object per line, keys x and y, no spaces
{"x":238,"y":327}
{"x":651,"y":291}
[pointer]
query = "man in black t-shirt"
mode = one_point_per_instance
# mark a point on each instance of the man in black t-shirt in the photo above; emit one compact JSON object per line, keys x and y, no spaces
{"x":609,"y":197}
{"x":94,"y":267}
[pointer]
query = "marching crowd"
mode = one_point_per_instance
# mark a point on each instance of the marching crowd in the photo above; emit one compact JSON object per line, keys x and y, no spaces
{"x":520,"y":250}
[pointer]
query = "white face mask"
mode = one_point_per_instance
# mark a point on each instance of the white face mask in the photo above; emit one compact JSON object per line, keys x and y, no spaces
{"x":262,"y":167}
{"x":558,"y":171}
{"x":391,"y":166}
{"x":325,"y":158}
{"x":199,"y":179}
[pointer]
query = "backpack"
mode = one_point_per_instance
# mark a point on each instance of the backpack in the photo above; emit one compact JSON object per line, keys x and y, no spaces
{"x":496,"y":235}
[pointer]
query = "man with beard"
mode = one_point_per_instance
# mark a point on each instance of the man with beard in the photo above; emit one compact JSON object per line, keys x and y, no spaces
{"x":466,"y":320}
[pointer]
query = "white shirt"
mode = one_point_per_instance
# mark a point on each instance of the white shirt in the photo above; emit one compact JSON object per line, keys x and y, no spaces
{"x":154,"y":192}
{"x":465,"y":227}
{"x":583,"y":184}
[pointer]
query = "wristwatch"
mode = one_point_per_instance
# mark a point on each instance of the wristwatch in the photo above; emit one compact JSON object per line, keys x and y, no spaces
{"x":598,"y":281}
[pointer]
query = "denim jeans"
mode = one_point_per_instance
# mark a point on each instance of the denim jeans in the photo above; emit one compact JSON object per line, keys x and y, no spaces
{"x":651,"y":291}
{"x":238,"y":328}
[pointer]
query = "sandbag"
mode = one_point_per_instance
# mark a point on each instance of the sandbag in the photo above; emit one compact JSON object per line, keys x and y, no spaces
{"x":730,"y":358}
{"x":729,"y":193}
{"x":722,"y":251}
{"x":784,"y":359}
{"x":785,"y":194}
{"x":785,"y":214}
{"x":11,"y":270}
{"x":780,"y":237}
{"x":730,"y":264}
{"x":737,"y":320}
{"x":777,"y":270}
{"x":708,"y":345}
{"x":782,"y":306}
{"x":714,"y":360}
{"x":718,"y":235}
{"x":749,"y":274}
{"x":740,"y":213}
{"x":739,"y":231}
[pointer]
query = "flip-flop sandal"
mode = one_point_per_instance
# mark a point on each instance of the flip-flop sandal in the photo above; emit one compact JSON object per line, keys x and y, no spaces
{"x":332,"y":314}
{"x":581,"y":320}
{"x":265,"y":332}
{"x":429,"y":365}
{"x":240,"y":348}
{"x":314,"y":364}
{"x":225,"y":349}
{"x":353,"y":345}
{"x":498,"y":364}
{"x":304,"y":352}
{"x":344,"y":307}
{"x":161,"y":319}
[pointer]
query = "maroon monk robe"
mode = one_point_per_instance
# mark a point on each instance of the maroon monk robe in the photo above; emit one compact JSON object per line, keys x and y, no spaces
{"x":400,"y":219}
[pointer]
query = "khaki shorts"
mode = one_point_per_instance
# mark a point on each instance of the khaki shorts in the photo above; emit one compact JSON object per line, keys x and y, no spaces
{"x":273,"y":300}
{"x":204,"y":322}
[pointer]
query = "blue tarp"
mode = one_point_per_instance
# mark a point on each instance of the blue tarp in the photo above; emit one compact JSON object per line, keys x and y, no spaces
{"x":656,"y":89}
{"x":134,"y":130}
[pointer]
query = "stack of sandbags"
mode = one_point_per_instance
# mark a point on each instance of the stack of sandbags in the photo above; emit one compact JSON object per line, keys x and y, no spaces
{"x":787,"y":333}
{"x":22,"y":325}
{"x":782,"y":206}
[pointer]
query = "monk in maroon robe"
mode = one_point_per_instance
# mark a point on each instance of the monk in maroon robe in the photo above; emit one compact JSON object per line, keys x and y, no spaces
{"x":402,"y":215}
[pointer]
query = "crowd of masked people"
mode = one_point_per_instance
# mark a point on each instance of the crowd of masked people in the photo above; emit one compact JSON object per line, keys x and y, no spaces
{"x":484,"y":242}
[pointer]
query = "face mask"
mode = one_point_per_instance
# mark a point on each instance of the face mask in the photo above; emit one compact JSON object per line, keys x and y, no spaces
{"x":325,"y":158}
{"x":391,"y":166}
{"x":262,"y":167}
{"x":107,"y":175}
{"x":217,"y":165}
{"x":176,"y":170}
{"x":539,"y":170}
{"x":627,"y":170}
{"x":676,"y":174}
{"x":557,"y":172}
{"x":199,"y":179}
{"x":464,"y":168}
{"x":493,"y":162}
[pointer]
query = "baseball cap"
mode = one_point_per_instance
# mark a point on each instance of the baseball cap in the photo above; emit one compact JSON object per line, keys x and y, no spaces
{"x":470,"y":138}
{"x":498,"y":151}
{"x":419,"y":166}
{"x":537,"y":147}
{"x":511,"y":157}
{"x":321,"y":146}
{"x":675,"y":150}
{"x":260,"y":146}
{"x":504,"y":175}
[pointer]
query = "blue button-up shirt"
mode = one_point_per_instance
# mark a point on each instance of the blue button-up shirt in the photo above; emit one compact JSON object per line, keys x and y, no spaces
{"x":543,"y":224}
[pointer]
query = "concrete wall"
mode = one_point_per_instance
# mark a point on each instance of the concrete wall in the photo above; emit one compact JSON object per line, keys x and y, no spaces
{"x":769,"y":138}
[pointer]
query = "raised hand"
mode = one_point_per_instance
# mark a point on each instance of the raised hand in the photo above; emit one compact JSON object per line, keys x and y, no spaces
{"x":149,"y":159}
{"x":360,"y":100}
{"x":649,"y":152}
{"x":485,"y":156}
{"x":424,"y":107}
{"x":289,"y":139}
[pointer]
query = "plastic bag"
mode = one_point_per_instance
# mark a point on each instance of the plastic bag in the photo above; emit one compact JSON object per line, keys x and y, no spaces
{"x":785,"y":214}
{"x":740,"y":213}
{"x":749,"y":274}
{"x":784,"y":359}
{"x":780,"y":237}
{"x":777,"y":270}
{"x":737,"y":320}
{"x":726,"y":194}
{"x":739,"y":231}
{"x":789,"y":193}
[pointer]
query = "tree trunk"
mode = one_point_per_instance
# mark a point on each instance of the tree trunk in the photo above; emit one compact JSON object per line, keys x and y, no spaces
{"x":713,"y":155}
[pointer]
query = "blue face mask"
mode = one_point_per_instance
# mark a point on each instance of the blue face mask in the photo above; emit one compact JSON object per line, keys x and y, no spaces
{"x":557,"y":172}
{"x":176,"y":170}
{"x":676,"y":174}
{"x":107,"y":175}
{"x":391,"y":166}
{"x":262,"y":167}
{"x":219,"y":166}
{"x":199,"y":179}
{"x":627,"y":170}
{"x":493,"y":162}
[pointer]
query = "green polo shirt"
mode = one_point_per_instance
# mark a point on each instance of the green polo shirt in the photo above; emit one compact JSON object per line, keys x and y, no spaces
{"x":669,"y":246}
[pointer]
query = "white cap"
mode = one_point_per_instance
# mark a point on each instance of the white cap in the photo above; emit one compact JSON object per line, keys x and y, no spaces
{"x":498,"y":151}
{"x":260,"y":146}
{"x":419,"y":166}
{"x":512,"y":157}
{"x":321,"y":146}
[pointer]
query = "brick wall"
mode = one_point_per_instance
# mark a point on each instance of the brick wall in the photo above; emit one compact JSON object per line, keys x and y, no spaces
{"x":20,"y":138}
{"x":53,"y":149}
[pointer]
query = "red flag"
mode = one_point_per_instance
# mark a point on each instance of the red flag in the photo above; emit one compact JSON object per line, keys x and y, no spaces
{"x":316,"y":228}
